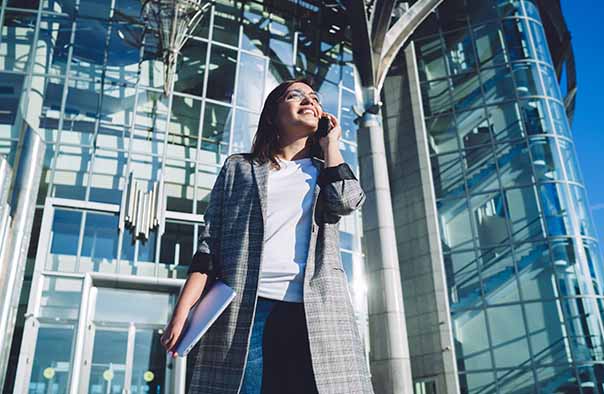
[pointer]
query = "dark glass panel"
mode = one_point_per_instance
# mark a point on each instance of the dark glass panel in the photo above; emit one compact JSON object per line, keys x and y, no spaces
{"x":191,"y":69}
{"x":489,"y":47}
{"x":516,"y":39}
{"x":179,"y":182}
{"x":448,"y":175}
{"x":184,"y":123}
{"x":431,"y":58}
{"x":65,"y":232}
{"x":177,"y":246}
{"x":221,"y":80}
{"x":226,"y":22}
{"x":100,"y":236}
{"x":498,"y":85}
{"x":555,"y":208}
{"x":216,"y":128}
{"x":526,"y":76}
{"x":459,"y":52}
{"x":545,"y":159}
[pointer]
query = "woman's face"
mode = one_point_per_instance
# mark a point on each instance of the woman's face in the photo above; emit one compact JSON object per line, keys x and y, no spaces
{"x":298,"y":111}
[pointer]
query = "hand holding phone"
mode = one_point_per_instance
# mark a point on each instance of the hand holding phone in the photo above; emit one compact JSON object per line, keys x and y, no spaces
{"x":323,"y":127}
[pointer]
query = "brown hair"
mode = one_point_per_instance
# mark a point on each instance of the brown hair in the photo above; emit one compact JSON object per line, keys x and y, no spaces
{"x":266,"y":141}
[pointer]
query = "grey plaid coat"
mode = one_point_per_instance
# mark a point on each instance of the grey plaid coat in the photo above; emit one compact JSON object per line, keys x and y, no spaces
{"x":233,"y":240}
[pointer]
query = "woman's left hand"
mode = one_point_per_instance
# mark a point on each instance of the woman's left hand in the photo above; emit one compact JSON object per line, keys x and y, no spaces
{"x":333,"y":136}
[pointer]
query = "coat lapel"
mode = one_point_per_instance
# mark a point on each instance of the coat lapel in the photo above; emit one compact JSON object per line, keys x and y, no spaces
{"x":261,"y":177}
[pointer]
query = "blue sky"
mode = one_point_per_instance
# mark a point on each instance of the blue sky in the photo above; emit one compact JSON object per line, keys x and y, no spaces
{"x":585,"y":20}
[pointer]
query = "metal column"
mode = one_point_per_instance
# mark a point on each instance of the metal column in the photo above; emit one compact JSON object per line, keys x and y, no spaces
{"x":12,"y":265}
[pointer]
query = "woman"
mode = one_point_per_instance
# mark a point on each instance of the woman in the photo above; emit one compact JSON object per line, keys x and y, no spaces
{"x":271,"y":233}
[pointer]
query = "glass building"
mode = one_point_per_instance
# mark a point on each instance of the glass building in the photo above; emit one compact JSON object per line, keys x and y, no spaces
{"x":499,"y":259}
{"x":82,"y":74}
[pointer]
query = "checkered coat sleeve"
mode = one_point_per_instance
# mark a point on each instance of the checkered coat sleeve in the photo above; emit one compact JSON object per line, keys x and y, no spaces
{"x":231,"y":245}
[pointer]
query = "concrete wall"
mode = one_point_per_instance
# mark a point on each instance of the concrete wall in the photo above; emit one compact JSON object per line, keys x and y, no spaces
{"x":421,"y":263}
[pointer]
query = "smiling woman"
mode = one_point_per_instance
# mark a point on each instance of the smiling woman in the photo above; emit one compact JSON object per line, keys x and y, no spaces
{"x":271,"y":233}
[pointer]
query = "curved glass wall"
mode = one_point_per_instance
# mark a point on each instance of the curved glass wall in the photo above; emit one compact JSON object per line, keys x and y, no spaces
{"x":521,"y":257}
{"x":92,"y":84}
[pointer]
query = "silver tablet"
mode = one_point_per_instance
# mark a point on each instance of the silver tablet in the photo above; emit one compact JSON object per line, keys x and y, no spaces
{"x":203,"y":314}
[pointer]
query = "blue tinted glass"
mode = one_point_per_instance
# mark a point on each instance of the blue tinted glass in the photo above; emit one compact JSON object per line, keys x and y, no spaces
{"x":347,"y":263}
{"x":146,"y":249}
{"x":65,"y":232}
{"x":346,"y":240}
{"x":100,"y":236}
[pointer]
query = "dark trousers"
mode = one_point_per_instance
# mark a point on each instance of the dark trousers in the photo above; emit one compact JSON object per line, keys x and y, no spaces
{"x":279,"y":356}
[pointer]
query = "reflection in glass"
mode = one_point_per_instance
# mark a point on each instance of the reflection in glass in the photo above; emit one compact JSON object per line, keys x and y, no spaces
{"x":506,"y":121}
{"x":100,"y":236}
{"x":489,"y":47}
{"x":52,"y":357}
{"x":177,"y":246}
{"x":221,"y":80}
{"x":432,"y":63}
{"x":184,"y":122}
{"x":149,"y":364}
{"x":65,"y":232}
{"x":251,"y":81}
{"x":216,"y":128}
{"x":179,"y":182}
{"x":471,"y":341}
{"x":246,"y":124}
{"x":17,"y":39}
{"x":525,"y":218}
{"x":508,"y":336}
{"x":226,"y":22}
{"x":108,"y":366}
{"x":191,"y":69}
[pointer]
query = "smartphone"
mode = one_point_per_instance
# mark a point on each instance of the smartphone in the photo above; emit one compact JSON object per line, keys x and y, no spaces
{"x":323,"y":128}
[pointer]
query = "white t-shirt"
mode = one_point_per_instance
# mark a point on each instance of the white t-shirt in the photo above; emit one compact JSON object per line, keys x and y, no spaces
{"x":287,"y":230}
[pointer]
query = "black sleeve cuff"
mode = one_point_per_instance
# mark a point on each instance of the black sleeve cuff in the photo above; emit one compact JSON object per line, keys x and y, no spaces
{"x":337,"y":173}
{"x":202,"y":262}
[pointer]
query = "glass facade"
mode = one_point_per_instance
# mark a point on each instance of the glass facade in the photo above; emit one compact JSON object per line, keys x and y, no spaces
{"x":94,"y":92}
{"x":521,"y":257}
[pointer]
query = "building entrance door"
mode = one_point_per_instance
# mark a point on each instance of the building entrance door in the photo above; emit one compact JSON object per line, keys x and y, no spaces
{"x":122,"y":353}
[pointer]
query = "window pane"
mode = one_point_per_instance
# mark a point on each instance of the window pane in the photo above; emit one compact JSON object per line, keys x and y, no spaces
{"x":506,"y":121}
{"x":100,"y":236}
{"x":508,"y":336}
{"x":525,"y":218}
{"x":191,"y":67}
{"x":471,"y":341}
{"x":65,"y":232}
{"x":226,"y":22}
{"x":216,"y":128}
{"x":53,"y":355}
{"x":488,"y":42}
{"x":177,"y":247}
{"x":251,"y":81}
{"x":221,"y":81}
{"x":246,"y":124}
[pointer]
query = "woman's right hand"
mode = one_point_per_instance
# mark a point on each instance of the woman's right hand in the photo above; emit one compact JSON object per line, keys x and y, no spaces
{"x":172,"y":332}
